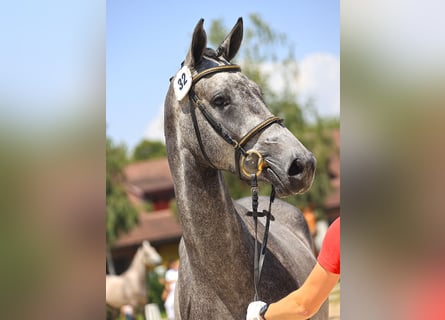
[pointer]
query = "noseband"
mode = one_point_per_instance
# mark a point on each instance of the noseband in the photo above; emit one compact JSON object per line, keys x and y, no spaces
{"x":240,"y":152}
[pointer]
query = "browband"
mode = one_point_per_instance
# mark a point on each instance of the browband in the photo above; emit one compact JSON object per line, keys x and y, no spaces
{"x":206,"y":72}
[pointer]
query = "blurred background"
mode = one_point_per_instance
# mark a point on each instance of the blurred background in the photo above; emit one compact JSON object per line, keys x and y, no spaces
{"x":52,"y":159}
{"x":392,"y":112}
{"x":55,"y":136}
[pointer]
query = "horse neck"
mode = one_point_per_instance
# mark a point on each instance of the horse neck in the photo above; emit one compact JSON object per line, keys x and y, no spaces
{"x":207,"y":214}
{"x":137,"y":267}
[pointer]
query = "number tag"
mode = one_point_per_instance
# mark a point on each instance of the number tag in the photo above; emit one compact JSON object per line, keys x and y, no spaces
{"x":182,"y":83}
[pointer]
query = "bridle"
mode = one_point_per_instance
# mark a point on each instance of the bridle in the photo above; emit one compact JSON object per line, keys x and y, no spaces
{"x":241,"y":155}
{"x":249,"y":163}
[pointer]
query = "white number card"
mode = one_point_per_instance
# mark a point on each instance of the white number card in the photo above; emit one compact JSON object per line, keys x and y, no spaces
{"x":182,"y":83}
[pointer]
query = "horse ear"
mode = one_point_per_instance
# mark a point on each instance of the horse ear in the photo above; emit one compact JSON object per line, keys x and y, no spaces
{"x":199,"y":42}
{"x":231,"y":44}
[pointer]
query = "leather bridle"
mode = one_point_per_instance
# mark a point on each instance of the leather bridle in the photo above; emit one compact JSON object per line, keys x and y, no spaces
{"x":241,"y":155}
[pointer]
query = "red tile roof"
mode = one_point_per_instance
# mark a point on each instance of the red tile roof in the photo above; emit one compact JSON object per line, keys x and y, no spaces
{"x":157,"y":226}
{"x":149,"y":176}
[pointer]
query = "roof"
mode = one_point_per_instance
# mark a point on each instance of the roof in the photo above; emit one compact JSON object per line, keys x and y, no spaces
{"x":157,"y":226}
{"x":151,"y":176}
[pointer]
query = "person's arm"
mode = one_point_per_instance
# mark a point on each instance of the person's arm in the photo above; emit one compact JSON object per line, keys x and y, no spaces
{"x":166,"y":290}
{"x":307,"y":300}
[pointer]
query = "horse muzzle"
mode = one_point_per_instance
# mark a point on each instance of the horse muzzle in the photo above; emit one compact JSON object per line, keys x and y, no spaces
{"x":294,"y":178}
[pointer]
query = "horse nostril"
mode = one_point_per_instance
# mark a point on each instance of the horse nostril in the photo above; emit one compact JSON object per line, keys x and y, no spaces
{"x":300,"y":165}
{"x":296,"y":167}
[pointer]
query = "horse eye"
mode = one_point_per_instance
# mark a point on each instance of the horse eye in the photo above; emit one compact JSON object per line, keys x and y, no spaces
{"x":220,"y":101}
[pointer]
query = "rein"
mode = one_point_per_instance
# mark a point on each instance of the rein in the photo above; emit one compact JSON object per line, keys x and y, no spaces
{"x":258,"y":258}
{"x":249,"y":163}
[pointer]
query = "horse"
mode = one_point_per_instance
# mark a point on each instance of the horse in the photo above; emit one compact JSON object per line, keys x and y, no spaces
{"x":129,"y":288}
{"x":215,"y":120}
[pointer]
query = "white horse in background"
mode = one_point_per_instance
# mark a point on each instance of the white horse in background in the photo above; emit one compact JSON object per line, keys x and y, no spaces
{"x":129,"y":288}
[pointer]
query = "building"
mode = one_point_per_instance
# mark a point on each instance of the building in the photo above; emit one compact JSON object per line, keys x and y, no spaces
{"x":149,"y":186}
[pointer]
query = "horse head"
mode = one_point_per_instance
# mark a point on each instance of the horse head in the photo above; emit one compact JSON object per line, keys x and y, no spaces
{"x":150,"y":256}
{"x":220,"y":116}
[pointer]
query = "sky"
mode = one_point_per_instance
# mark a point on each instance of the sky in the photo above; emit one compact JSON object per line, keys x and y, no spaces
{"x":49,"y":59}
{"x":147,"y":40}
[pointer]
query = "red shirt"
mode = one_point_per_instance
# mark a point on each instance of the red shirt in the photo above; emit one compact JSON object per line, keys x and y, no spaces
{"x":329,"y":256}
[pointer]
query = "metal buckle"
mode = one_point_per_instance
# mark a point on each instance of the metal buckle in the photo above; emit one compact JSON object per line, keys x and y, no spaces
{"x":252,"y":162}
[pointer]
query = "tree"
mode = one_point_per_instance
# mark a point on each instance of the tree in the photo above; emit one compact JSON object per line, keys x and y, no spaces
{"x":261,"y":46}
{"x":121,"y":216}
{"x":147,"y":149}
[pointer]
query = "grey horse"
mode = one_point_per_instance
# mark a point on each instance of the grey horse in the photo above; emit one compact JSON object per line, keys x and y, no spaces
{"x":216,"y":278}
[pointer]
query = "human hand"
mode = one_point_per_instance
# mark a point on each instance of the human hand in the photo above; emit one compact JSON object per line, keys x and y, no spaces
{"x":253,"y":310}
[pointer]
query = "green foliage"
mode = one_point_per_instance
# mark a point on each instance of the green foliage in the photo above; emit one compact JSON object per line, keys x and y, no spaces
{"x":263,"y":45}
{"x":155,"y":288}
{"x":317,"y":138}
{"x":217,"y":32}
{"x":147,"y":149}
{"x":116,"y":160}
{"x":239,"y":189}
{"x":174,"y":208}
{"x":260,"y":42}
{"x":121,"y":215}
{"x":147,"y":206}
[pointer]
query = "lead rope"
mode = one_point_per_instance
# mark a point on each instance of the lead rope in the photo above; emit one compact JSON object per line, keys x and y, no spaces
{"x":258,"y":258}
